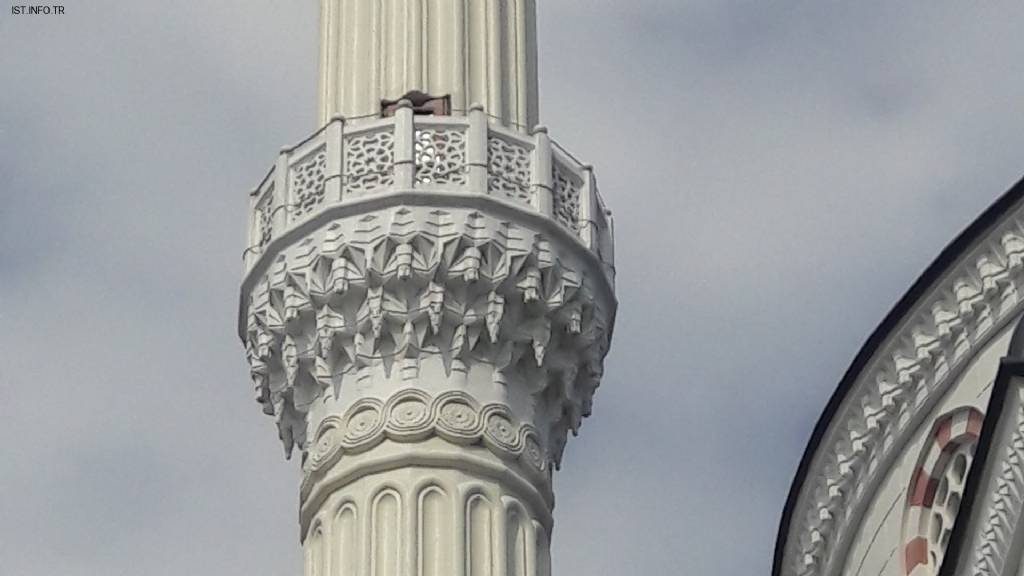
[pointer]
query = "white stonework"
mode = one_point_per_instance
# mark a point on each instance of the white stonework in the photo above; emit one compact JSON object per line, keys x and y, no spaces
{"x":880,"y":488}
{"x":428,"y":299}
{"x":994,"y":535}
{"x":475,"y":51}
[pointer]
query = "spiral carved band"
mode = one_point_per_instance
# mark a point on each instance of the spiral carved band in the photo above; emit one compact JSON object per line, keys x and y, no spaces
{"x":413,"y":415}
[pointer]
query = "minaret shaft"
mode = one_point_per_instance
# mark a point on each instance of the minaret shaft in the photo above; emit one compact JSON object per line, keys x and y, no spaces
{"x":428,"y":295}
{"x":446,"y":512}
{"x":474,"y":51}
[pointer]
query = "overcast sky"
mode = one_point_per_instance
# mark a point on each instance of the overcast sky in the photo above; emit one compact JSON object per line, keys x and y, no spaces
{"x":780,"y":173}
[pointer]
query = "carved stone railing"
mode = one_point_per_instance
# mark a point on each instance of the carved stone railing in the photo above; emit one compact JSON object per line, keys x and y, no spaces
{"x":458,"y":156}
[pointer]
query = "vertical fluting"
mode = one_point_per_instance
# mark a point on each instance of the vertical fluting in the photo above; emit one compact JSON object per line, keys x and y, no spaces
{"x":345,"y":541}
{"x":446,"y":524}
{"x":386,"y":548}
{"x":456,"y":55}
{"x":496,"y":48}
{"x":516,"y":552}
{"x":315,"y":553}
{"x":324,"y":84}
{"x":416,"y":30}
{"x":531,"y":88}
{"x":479,"y":540}
{"x":434,"y":533}
{"x":475,"y":51}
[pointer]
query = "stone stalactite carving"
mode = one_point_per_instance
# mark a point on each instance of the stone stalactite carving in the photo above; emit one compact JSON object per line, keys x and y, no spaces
{"x":912,"y":366}
{"x":363,"y":298}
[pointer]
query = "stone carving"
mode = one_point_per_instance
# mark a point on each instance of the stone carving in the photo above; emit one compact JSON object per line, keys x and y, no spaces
{"x":412,"y":415}
{"x":483,"y":526}
{"x":508,"y":169}
{"x":567,"y":198}
{"x":264,"y":219}
{"x":1004,"y":513}
{"x":307,"y":185}
{"x":420,"y":322}
{"x":372,"y":296}
{"x":369,"y":160}
{"x":909,"y":370}
{"x":440,"y":156}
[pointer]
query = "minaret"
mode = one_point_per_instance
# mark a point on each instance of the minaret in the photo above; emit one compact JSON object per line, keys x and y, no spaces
{"x":428,"y":295}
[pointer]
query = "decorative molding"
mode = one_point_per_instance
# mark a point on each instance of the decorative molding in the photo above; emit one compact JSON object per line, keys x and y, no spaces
{"x":910,"y":369}
{"x":412,"y":415}
{"x":509,"y":169}
{"x":341,"y":164}
{"x":445,"y":522}
{"x":1003,"y":514}
{"x":373,"y":296}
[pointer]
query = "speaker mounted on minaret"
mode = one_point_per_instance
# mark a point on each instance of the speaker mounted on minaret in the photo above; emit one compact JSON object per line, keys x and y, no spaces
{"x":422,"y":105}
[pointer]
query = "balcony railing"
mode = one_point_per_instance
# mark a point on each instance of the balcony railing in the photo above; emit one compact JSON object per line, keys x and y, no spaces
{"x":434,"y":154}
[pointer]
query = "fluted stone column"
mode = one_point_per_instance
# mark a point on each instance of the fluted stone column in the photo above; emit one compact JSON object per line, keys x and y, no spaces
{"x":426,"y":308}
{"x":482,"y":51}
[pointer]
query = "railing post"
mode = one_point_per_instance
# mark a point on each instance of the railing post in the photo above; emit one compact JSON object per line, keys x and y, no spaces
{"x":282,"y":196}
{"x":588,"y":200}
{"x":334,"y":135}
{"x":252,"y":230}
{"x":607,"y":243}
{"x":541,"y":176}
{"x":477,"y":150}
{"x":405,"y":146}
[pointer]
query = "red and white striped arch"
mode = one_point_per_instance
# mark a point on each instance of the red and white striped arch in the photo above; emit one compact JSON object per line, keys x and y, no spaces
{"x":936,"y":486}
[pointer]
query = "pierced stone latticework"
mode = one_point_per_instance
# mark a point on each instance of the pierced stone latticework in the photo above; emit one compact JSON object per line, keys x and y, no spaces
{"x":440,"y":156}
{"x":369,"y":161}
{"x":308,"y":178}
{"x":264,"y":219}
{"x":509,"y":169}
{"x":567,"y":198}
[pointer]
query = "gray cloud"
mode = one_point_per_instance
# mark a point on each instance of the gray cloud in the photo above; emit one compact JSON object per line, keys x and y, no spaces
{"x":780,"y":173}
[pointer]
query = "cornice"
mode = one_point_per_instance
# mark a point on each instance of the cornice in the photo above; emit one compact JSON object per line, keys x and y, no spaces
{"x":970,"y":292}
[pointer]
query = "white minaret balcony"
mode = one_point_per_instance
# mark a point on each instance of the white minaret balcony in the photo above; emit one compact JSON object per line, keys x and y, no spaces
{"x":428,"y":295}
{"x":426,"y":308}
{"x":460,"y":159}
